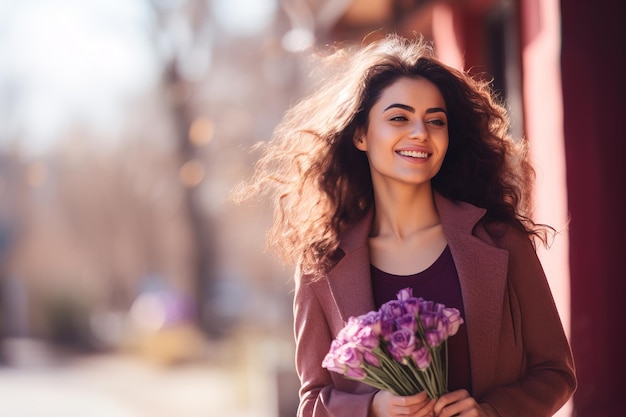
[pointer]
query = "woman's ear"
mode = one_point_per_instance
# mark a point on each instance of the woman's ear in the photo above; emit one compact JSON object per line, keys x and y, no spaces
{"x":360,"y":141}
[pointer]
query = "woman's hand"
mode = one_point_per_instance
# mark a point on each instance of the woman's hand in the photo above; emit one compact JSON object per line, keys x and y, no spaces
{"x":385,"y":404}
{"x":458,"y":403}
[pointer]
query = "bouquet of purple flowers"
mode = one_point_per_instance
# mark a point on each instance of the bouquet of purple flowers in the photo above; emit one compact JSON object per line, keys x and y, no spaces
{"x":401,"y":348}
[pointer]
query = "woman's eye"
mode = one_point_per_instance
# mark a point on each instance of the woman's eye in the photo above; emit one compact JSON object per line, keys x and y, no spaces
{"x":437,"y":122}
{"x":398,"y":119}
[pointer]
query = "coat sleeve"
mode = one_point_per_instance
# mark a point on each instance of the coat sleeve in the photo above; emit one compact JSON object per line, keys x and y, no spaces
{"x":321,"y":394}
{"x":548,"y":378}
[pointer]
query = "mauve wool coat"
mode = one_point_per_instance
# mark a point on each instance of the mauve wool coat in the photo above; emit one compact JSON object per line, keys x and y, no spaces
{"x":521,"y":362}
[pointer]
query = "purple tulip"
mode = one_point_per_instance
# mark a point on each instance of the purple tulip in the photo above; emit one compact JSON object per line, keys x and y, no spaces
{"x":355,"y":373}
{"x":402,"y":344}
{"x":387,"y":329}
{"x":430,"y":320}
{"x":408,"y":322}
{"x":372,"y":319}
{"x":366,"y":339}
{"x":412,"y":305}
{"x":405,"y":294}
{"x":331,"y":362}
{"x":421,"y":357}
{"x":335,"y":345}
{"x":427,"y":306}
{"x":371,"y":358}
{"x":452,"y":320}
{"x":392,"y":309}
{"x":431,"y":306}
{"x":434,"y":337}
{"x":350,"y":355}
{"x":350,"y":330}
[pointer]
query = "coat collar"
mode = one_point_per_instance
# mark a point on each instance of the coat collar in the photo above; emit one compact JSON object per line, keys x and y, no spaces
{"x":482,"y":270}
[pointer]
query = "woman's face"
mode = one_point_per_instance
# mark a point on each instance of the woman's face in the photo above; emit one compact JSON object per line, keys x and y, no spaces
{"x":407,"y":133}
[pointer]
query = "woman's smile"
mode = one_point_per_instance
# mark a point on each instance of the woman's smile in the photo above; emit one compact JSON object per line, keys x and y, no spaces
{"x":415,"y":154}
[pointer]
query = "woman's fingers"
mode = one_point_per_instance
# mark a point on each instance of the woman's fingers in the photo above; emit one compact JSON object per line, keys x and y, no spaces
{"x":418,"y":405}
{"x":458,"y":403}
{"x":386,"y":404}
{"x":450,"y":398}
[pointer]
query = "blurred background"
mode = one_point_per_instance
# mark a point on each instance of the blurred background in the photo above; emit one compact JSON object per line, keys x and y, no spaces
{"x":130,"y":286}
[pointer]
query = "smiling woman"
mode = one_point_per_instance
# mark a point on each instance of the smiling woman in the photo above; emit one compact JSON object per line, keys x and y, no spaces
{"x":399,"y":172}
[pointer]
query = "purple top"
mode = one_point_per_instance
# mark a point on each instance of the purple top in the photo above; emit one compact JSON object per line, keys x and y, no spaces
{"x":438,"y":283}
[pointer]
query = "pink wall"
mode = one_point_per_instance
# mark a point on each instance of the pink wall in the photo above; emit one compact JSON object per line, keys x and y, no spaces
{"x":543,"y":111}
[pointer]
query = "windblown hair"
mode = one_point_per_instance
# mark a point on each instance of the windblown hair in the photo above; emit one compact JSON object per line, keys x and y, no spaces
{"x":321,"y":182}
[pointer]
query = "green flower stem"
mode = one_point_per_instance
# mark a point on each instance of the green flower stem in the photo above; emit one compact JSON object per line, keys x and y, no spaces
{"x":369,"y":382}
{"x":397,"y":373}
{"x":445,"y":368}
{"x":422,"y":378}
{"x":395,"y":379}
{"x":377,"y":376}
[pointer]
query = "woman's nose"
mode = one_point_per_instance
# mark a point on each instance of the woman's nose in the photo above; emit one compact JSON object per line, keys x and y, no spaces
{"x":418,"y":130}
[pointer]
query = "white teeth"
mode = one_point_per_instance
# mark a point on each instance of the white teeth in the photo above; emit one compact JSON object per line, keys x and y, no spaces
{"x":414,"y":154}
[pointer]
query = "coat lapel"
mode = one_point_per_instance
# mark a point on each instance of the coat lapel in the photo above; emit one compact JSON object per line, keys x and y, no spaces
{"x":482,"y":270}
{"x":350,"y":279}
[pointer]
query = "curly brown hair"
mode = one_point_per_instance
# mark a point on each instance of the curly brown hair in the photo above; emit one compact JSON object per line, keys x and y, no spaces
{"x":321,"y":183}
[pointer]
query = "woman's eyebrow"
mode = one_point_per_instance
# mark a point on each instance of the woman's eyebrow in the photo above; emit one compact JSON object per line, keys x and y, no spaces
{"x":412,"y":110}
{"x":437,"y":110}
{"x":400,"y":106}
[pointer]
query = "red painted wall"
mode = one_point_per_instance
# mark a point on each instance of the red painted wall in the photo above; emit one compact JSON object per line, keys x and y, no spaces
{"x":594,"y":97}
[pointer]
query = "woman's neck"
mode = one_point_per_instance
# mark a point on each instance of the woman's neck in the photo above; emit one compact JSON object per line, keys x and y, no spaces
{"x":403,"y":211}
